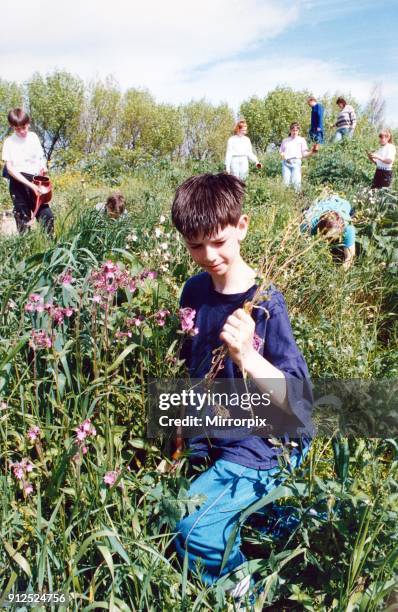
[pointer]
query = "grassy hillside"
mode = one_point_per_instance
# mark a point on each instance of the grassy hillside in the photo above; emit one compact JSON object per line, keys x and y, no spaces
{"x":83,"y":508}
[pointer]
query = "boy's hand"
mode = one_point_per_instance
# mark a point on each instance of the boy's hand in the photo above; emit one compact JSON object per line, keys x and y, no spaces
{"x":237,"y":334}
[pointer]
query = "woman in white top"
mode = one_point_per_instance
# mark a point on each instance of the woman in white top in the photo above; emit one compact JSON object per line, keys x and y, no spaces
{"x":384,"y":159}
{"x":239,"y":151}
{"x":292,"y":150}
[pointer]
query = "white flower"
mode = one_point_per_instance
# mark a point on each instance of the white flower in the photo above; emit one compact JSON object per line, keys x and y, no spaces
{"x":158,"y":231}
{"x":162,"y":219}
{"x":164,"y":246}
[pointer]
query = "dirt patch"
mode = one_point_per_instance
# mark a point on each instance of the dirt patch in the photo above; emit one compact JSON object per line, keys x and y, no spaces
{"x":7,"y":224}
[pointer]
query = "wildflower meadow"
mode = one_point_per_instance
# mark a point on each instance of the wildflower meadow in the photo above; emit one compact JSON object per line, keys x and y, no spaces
{"x":88,"y":318}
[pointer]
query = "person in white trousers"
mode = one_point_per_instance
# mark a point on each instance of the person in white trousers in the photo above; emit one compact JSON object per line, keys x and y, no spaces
{"x":239,"y":152}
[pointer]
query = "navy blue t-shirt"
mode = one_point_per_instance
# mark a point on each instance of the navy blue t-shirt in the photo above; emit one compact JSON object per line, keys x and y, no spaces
{"x":274,"y":332}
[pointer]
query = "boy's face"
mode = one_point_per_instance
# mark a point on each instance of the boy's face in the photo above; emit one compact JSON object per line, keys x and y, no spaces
{"x":21,"y":130}
{"x":217,"y":254}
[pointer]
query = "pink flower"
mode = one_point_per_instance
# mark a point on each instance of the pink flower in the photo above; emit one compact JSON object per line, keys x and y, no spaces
{"x":160,"y":317}
{"x":148,"y":274}
{"x":39,"y":339}
{"x":81,"y":435}
{"x":28,"y":489}
{"x":66,"y":278}
{"x":187,"y":317}
{"x":33,"y":433}
{"x":84,"y":431}
{"x":21,"y":468}
{"x":18,"y":471}
{"x":119,"y":335}
{"x":35,"y":298}
{"x":111,"y":477}
{"x":136,"y":321}
{"x":34,"y":303}
{"x":97,"y":298}
{"x":68,"y":311}
{"x":109,"y":278}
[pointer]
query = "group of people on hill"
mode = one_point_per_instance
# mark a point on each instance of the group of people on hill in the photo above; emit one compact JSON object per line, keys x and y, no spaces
{"x":294,"y":148}
{"x":24,"y":160}
{"x":330,"y":216}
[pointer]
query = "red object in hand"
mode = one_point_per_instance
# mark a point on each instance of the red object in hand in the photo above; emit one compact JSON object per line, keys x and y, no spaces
{"x":45,"y":188}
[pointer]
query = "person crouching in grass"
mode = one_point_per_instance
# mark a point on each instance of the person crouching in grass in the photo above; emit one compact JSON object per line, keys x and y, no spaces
{"x":24,"y":158}
{"x":114,"y":207}
{"x":331,"y":218}
{"x":207,"y":211}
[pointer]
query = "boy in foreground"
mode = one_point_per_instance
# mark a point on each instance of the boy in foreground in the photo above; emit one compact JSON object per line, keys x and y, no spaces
{"x":24,"y":158}
{"x":207,"y":211}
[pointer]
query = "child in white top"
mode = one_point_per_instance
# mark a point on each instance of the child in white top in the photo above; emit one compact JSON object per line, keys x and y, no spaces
{"x":292,"y":150}
{"x":239,"y":151}
{"x":24,"y":158}
{"x":384,"y":159}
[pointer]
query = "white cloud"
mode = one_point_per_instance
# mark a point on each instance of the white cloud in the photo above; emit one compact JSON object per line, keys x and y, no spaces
{"x":179,"y":49}
{"x":140,"y":42}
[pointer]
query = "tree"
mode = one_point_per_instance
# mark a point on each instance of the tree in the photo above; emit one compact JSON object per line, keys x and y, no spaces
{"x":56,"y":105}
{"x":136,"y":116}
{"x":206,"y":129}
{"x":154,"y":129}
{"x":375,"y":109}
{"x":269,"y":118}
{"x":101,"y":115}
{"x":10,"y":97}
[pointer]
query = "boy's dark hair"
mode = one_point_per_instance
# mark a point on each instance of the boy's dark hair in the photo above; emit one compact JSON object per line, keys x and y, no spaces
{"x":17,"y":117}
{"x":341,"y":101}
{"x":206,"y":203}
{"x":115,"y":205}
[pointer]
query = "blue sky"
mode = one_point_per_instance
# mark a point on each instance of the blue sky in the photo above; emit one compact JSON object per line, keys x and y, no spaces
{"x":223,"y":50}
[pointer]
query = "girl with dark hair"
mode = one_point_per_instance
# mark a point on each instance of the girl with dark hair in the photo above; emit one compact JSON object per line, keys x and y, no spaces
{"x":292,"y":150}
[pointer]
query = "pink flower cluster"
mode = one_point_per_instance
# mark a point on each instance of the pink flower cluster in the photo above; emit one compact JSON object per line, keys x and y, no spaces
{"x":35,"y":303}
{"x":83,"y":432}
{"x":34,"y":433}
{"x":111,"y":477}
{"x":66,"y":278}
{"x":120,"y":335}
{"x":21,"y":470}
{"x":39,"y":339}
{"x":160,"y":317}
{"x":109,"y":278}
{"x":187,"y":321}
{"x":135,"y":321}
{"x":57,"y":313}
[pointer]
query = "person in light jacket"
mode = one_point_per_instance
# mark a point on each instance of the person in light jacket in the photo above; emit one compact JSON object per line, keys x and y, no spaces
{"x":239,"y":152}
